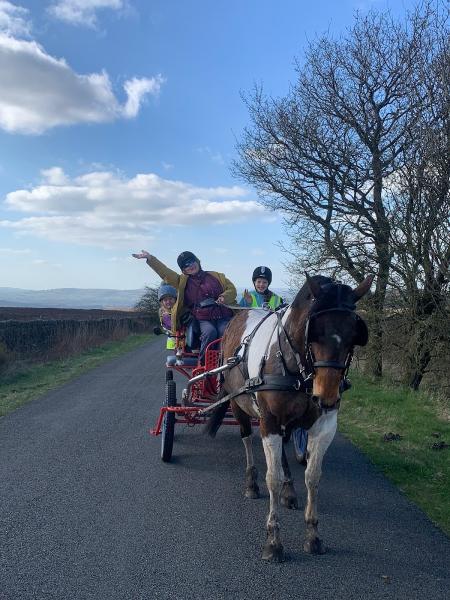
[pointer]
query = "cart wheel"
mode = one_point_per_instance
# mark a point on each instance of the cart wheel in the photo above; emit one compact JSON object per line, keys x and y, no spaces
{"x":169,"y":375}
{"x":168,"y":425}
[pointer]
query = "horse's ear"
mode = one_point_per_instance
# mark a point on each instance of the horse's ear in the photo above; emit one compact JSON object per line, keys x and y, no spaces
{"x":362,"y":288}
{"x":313,"y":286}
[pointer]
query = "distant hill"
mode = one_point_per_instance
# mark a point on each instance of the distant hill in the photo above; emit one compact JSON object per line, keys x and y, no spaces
{"x":80,"y":298}
{"x":69,"y":298}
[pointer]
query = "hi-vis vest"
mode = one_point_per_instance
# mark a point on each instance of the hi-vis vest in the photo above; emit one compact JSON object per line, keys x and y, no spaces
{"x":273,"y":303}
{"x":171,"y":343}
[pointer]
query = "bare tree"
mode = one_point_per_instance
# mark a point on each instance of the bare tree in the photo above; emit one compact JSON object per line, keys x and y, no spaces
{"x":149,"y":302}
{"x":325,"y":153}
{"x":420,"y":214}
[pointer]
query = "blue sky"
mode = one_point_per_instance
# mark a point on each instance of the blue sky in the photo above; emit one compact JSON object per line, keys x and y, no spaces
{"x":118,"y":123}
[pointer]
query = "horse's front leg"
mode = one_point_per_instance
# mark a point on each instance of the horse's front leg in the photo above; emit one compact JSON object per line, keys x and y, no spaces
{"x":321,"y":435}
{"x":251,"y":473}
{"x":272,"y":444}
{"x":288,"y":493}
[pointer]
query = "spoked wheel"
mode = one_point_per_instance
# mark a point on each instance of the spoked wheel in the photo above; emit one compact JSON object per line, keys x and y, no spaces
{"x":168,"y":424}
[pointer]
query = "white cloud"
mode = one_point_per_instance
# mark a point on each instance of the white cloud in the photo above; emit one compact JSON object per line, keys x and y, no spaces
{"x":82,"y":12}
{"x":13,"y":251}
{"x":54,"y":176}
{"x":39,"y":92}
{"x":13,"y":19}
{"x":40,"y":262}
{"x":136,"y":90}
{"x":105,"y":209}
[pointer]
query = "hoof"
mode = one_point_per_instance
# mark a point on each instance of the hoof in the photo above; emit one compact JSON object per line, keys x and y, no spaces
{"x":252,"y":493}
{"x":273,"y":553}
{"x":314,"y":546}
{"x":290,"y":502}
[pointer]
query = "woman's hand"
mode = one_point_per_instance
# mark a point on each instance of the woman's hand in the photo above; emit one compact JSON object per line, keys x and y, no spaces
{"x":142,"y":254}
{"x":220,"y":300}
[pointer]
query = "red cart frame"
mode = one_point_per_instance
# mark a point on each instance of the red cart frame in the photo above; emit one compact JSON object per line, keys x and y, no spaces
{"x":201,"y":392}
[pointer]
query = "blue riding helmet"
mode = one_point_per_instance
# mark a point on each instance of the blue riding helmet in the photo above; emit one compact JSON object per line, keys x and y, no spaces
{"x":166,"y":290}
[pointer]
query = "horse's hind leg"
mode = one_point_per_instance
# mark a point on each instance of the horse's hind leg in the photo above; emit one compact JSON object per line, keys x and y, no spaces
{"x":321,"y":435}
{"x":273,"y":549}
{"x":251,"y":473}
{"x":288,"y":493}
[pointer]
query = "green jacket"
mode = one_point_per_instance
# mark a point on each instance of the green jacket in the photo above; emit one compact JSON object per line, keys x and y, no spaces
{"x":179,"y":281}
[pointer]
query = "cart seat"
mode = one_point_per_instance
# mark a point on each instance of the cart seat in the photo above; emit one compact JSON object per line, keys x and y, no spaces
{"x":188,"y":361}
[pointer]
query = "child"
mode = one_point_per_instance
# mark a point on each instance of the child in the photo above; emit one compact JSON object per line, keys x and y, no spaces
{"x":262,"y":296}
{"x":167,"y":296}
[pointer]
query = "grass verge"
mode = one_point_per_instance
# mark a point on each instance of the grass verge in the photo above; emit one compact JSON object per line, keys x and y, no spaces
{"x":373,"y":409}
{"x":35,"y":380}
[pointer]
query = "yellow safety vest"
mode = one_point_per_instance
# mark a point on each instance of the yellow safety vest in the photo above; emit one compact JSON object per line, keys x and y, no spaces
{"x":274,"y":301}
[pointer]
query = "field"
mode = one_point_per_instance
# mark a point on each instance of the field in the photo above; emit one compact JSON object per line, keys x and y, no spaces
{"x":41,"y":334}
{"x":78,"y":314}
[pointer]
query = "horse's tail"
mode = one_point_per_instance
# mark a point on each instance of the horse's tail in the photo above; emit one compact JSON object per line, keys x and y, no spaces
{"x":215,"y":420}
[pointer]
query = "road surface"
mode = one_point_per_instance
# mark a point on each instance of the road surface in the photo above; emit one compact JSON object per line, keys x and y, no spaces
{"x":89,"y":511}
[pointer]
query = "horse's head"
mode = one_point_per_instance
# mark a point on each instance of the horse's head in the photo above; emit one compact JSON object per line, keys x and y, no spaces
{"x":332,"y":330}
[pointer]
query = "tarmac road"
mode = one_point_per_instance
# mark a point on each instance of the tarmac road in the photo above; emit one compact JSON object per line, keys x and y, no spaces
{"x":89,"y":511}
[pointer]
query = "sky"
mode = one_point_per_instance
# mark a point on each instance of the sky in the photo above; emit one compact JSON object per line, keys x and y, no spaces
{"x":118,"y":124}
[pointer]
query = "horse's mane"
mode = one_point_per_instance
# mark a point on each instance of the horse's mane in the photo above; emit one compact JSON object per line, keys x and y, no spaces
{"x":332,"y":295}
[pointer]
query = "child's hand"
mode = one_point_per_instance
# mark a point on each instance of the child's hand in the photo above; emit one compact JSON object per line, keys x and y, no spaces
{"x":142,"y":254}
{"x":248,"y":297}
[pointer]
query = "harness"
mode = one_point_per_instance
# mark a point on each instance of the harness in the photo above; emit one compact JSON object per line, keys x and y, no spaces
{"x":300,"y":380}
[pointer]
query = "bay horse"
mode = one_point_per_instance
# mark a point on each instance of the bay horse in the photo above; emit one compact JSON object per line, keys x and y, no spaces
{"x":289,"y":367}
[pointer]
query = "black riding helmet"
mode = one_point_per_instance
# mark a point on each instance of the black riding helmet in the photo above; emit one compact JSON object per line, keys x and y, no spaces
{"x":185,"y":258}
{"x":263,"y":272}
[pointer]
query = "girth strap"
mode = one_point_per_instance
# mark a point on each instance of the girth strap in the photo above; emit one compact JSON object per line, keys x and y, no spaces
{"x":280,"y":383}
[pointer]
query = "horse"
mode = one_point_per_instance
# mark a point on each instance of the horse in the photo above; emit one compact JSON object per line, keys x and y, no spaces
{"x":287,"y":369}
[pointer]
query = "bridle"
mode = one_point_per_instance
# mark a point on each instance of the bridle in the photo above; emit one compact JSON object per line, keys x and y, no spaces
{"x":311,"y":362}
{"x":307,"y":368}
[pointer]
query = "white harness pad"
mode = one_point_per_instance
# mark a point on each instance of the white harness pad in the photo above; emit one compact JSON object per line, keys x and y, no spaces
{"x":263,"y":340}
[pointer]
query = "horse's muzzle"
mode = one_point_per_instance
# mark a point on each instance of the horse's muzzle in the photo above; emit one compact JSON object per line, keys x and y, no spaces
{"x":326,"y":406}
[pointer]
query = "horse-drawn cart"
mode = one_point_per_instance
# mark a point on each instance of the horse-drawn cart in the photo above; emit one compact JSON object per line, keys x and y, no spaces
{"x":196,"y":400}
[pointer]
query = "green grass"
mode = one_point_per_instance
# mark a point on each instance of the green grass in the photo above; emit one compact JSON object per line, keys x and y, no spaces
{"x":35,"y":380}
{"x":372,"y":409}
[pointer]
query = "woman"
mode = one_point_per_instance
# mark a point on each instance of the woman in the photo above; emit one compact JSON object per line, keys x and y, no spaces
{"x":203,"y":293}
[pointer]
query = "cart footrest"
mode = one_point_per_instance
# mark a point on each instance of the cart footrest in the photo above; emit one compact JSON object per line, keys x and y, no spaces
{"x":189,"y":361}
